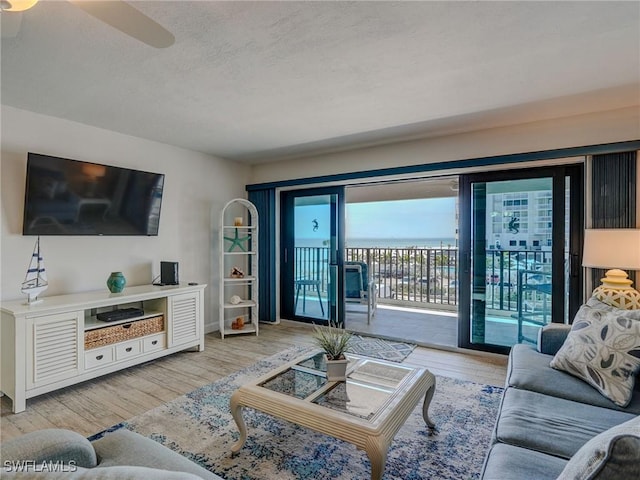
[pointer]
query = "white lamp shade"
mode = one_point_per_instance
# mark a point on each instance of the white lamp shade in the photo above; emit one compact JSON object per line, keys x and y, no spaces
{"x":612,"y":248}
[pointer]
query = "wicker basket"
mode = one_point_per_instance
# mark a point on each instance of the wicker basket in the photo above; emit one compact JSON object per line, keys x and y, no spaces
{"x":125,"y":331}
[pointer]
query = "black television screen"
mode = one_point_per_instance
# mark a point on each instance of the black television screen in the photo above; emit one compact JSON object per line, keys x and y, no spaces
{"x":70,"y":197}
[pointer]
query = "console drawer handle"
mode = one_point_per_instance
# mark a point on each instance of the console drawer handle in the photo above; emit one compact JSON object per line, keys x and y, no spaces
{"x":128,"y":349}
{"x":99,"y":357}
{"x":155,"y":342}
{"x":127,"y":325}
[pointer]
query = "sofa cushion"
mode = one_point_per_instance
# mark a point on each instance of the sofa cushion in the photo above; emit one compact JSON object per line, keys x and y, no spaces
{"x":124,"y":447}
{"x":530,"y":370}
{"x":614,"y":454}
{"x":506,"y":462}
{"x":603,"y":349}
{"x":551,"y":425}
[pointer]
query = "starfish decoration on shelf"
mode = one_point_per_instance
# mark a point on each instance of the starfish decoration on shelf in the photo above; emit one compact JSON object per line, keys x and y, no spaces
{"x":237,"y":241}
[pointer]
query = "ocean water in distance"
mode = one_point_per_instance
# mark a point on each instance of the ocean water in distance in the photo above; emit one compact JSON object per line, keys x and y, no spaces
{"x":401,"y":242}
{"x":445,"y":242}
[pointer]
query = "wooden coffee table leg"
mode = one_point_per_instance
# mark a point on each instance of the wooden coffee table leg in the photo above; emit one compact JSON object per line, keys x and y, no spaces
{"x":425,"y":406}
{"x":236,"y":412}
{"x":377,"y":448}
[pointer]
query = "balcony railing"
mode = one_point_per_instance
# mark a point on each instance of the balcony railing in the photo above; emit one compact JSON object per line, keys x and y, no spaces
{"x":419,"y":275}
{"x":426,"y":276}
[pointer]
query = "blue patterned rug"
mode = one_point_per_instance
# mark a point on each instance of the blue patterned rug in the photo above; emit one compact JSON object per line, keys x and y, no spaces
{"x":199,"y":426}
{"x":379,"y":348}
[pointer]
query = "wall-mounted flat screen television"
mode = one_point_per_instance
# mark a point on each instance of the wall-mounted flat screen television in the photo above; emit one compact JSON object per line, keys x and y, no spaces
{"x":71,"y":197}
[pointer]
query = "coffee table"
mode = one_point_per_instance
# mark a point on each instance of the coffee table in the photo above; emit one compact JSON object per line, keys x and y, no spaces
{"x":367,"y":410}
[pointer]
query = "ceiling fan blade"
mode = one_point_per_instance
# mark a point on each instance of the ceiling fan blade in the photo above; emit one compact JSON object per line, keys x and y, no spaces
{"x":128,"y":20}
{"x":10,"y":25}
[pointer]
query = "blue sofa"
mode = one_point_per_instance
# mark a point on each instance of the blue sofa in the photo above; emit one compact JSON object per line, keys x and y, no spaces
{"x":547,"y":416}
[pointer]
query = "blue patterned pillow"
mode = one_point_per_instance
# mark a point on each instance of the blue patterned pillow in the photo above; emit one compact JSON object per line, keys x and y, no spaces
{"x":603,"y":349}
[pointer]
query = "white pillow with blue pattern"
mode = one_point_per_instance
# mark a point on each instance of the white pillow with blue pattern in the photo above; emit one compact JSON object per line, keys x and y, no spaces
{"x":603,"y":349}
{"x":612,"y":455}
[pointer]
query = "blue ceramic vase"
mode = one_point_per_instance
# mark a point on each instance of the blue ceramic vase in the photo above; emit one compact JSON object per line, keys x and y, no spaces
{"x":116,"y":282}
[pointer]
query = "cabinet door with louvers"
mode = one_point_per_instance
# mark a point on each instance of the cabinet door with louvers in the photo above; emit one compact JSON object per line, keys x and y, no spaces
{"x":184,"y":318}
{"x":56,"y":342}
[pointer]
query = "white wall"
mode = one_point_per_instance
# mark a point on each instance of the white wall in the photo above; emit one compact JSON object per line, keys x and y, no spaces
{"x":195,"y":186}
{"x":590,"y":129}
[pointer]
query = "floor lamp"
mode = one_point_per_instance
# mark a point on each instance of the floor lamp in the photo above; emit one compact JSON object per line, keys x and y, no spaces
{"x":615,"y":248}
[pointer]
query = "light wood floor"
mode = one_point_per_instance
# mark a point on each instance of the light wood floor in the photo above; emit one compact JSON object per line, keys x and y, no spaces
{"x":97,"y":404}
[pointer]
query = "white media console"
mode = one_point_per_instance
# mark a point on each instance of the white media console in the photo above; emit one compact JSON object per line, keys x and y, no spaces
{"x":59,"y":342}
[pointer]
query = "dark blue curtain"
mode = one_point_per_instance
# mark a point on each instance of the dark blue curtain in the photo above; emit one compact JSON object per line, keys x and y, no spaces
{"x":265,"y":202}
{"x":614,"y":181}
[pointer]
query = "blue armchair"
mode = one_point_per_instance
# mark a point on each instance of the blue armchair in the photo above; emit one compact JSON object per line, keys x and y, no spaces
{"x":359,"y":288}
{"x":117,"y":455}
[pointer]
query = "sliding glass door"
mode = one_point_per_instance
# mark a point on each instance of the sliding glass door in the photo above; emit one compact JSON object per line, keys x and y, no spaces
{"x":312,"y":254}
{"x":519,"y":246}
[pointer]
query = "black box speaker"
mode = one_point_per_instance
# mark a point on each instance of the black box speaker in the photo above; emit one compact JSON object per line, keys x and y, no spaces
{"x":169,"y":273}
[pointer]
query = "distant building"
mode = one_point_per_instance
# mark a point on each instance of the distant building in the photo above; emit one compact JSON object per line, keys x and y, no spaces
{"x":520,"y":220}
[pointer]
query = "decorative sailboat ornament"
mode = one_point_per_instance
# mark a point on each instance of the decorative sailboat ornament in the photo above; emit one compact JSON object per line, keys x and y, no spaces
{"x":35,"y":282}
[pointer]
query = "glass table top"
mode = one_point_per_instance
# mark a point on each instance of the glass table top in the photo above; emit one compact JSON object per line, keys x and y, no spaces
{"x":295,"y":383}
{"x":369,"y":384}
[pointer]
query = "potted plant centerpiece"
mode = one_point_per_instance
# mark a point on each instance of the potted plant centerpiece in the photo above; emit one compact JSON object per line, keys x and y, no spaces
{"x":334,"y":341}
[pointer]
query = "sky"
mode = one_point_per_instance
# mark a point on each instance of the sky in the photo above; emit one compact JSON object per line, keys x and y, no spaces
{"x":422,"y":218}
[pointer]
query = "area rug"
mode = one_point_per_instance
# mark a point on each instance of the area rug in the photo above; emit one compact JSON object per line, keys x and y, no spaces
{"x":380,"y":348}
{"x":198,"y":425}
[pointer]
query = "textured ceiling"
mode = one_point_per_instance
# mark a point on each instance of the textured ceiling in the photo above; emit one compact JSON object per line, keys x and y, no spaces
{"x":257,"y":81}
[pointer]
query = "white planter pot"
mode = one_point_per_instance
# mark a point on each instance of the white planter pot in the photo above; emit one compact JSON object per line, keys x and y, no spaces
{"x":337,"y":370}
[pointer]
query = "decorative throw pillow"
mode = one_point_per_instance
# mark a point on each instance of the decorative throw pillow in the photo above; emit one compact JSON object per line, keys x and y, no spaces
{"x":603,"y":349}
{"x":613,"y":454}
{"x":593,"y":302}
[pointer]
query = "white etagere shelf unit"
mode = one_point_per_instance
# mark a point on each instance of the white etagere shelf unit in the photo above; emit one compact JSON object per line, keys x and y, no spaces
{"x":238,"y":250}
